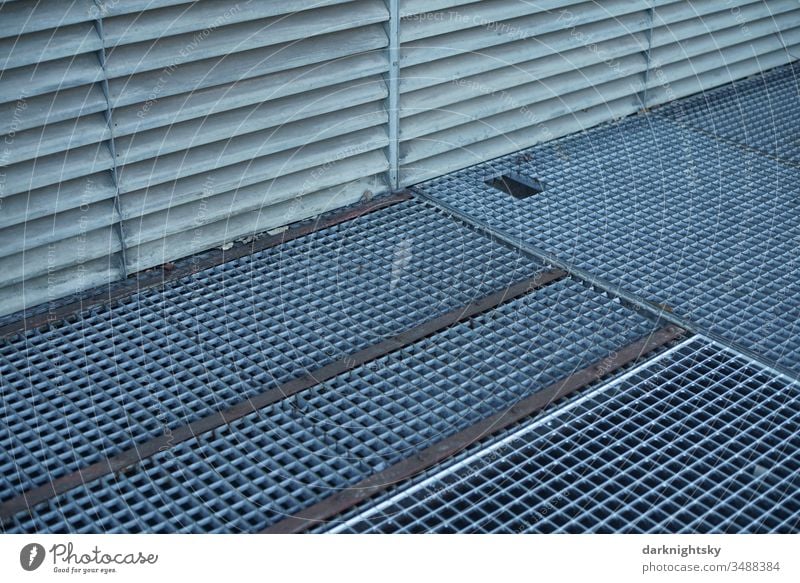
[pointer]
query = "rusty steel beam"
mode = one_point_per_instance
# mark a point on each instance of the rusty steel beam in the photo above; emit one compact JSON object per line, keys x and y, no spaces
{"x":186,"y":267}
{"x":367,"y":488}
{"x":132,"y":456}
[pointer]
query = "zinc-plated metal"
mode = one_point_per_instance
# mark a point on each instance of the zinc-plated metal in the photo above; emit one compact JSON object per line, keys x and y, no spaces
{"x":117,"y":375}
{"x":699,"y":439}
{"x":690,"y":225}
{"x":294,"y":453}
{"x":125,"y":459}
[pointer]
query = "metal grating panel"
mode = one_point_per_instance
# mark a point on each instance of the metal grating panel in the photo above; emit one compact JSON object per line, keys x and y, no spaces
{"x":122,"y":374}
{"x":696,"y":440}
{"x":298,"y":451}
{"x":676,"y":217}
{"x":760,"y":112}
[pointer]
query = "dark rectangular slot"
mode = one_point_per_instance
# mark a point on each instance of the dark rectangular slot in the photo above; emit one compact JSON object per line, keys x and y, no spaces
{"x":516,"y":185}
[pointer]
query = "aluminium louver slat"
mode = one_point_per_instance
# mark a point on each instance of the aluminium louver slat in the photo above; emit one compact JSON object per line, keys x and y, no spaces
{"x":56,"y":199}
{"x":191,"y":76}
{"x":170,"y":51}
{"x":245,"y":147}
{"x":245,"y":174}
{"x":174,"y":109}
{"x":197,"y":16}
{"x":32,"y":112}
{"x":29,"y":16}
{"x":47,"y":45}
{"x":511,"y":54}
{"x":279,"y":106}
{"x":227,"y":125}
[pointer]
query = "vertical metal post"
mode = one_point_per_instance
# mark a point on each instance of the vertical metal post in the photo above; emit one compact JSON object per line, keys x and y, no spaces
{"x":393,"y":100}
{"x":650,"y":17}
{"x":120,"y":228}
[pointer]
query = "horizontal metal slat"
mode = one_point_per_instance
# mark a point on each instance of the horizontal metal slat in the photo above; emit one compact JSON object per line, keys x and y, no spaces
{"x":496,"y":83}
{"x":737,"y":14}
{"x":252,"y":171}
{"x":252,"y":199}
{"x":716,"y":77}
{"x":230,"y":124}
{"x":524,"y":96}
{"x":56,"y":137}
{"x":664,"y":89}
{"x":702,"y":63}
{"x":60,"y":254}
{"x":58,"y":75}
{"x":34,"y":233}
{"x":169,"y":52}
{"x":57,"y":198}
{"x":478,"y":14}
{"x":722,"y":39}
{"x":58,"y":284}
{"x":211,"y":100}
{"x":151,"y":86}
{"x":110,"y":8}
{"x":477,"y":39}
{"x":241,"y":225}
{"x":153,"y":23}
{"x":463,"y":136}
{"x":246,"y":147}
{"x":498,"y":57}
{"x":29,"y":16}
{"x":48,"y":45}
{"x":688,"y":10}
{"x":32,"y":112}
{"x":56,"y":168}
{"x":516,"y":140}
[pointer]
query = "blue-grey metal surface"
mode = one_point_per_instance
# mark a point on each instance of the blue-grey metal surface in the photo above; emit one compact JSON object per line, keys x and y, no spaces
{"x":762,"y":112}
{"x":159,"y":359}
{"x":698,"y":226}
{"x":290,"y":455}
{"x":698,"y":439}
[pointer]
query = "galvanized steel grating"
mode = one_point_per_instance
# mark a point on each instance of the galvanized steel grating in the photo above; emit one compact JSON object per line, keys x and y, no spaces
{"x":119,"y":375}
{"x":692,"y":224}
{"x":298,"y":451}
{"x":699,"y":439}
{"x":761,"y":112}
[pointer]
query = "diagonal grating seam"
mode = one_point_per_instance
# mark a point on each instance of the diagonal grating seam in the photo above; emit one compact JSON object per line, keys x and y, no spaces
{"x":348,"y":520}
{"x":656,"y":311}
{"x":147,"y":372}
{"x":732,"y":382}
{"x":128,"y":458}
{"x":264,"y":467}
{"x":448,"y":447}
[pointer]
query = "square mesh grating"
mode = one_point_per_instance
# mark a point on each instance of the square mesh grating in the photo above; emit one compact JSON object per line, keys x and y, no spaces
{"x":698,"y":439}
{"x":762,"y":112}
{"x":678,"y":218}
{"x":162,"y":358}
{"x":296,"y":452}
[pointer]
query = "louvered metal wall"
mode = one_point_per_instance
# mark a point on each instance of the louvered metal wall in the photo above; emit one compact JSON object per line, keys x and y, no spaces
{"x":136,"y":132}
{"x":482,"y":79}
{"x":141,"y":131}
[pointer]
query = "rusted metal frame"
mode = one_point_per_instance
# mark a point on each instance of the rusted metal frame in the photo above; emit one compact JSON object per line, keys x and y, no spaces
{"x":134,"y":455}
{"x":346,"y":499}
{"x":189,"y":266}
